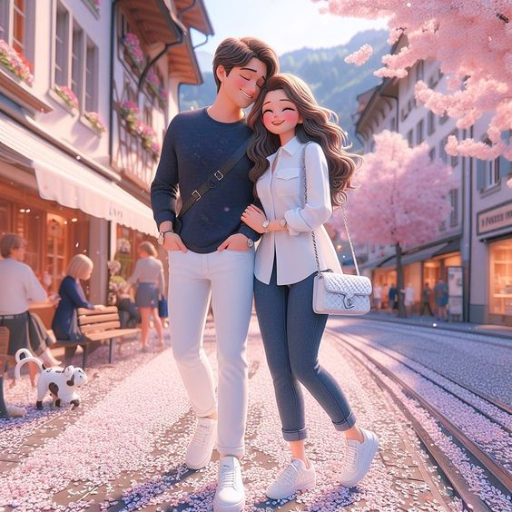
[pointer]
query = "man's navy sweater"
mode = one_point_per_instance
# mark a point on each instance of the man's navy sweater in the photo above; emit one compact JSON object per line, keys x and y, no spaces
{"x":196,"y":146}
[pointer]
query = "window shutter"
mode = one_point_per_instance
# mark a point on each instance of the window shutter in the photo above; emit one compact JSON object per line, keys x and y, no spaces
{"x":480,"y":174}
{"x":505,"y":166}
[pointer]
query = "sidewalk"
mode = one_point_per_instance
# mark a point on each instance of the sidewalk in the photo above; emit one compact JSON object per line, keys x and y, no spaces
{"x":499,"y":331}
{"x":123,"y":448}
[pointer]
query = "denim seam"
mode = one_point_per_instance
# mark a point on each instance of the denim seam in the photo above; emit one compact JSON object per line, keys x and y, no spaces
{"x":323,"y":384}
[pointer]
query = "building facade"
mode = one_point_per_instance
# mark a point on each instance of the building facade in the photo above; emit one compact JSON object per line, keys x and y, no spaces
{"x":86,"y":94}
{"x":462,"y":248}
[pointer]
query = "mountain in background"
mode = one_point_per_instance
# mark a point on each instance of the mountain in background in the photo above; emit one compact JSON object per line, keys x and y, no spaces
{"x":334,"y":83}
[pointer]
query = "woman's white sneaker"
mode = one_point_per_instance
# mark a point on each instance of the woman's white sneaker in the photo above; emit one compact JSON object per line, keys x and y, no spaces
{"x":230,"y":494}
{"x":199,"y":452}
{"x":358,"y":458}
{"x":295,"y":477}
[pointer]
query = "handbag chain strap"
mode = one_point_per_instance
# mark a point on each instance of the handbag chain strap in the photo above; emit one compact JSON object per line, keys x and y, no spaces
{"x":344,"y":214}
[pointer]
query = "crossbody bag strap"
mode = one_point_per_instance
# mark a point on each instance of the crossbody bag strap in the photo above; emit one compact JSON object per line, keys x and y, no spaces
{"x":343,"y":210}
{"x":215,"y":179}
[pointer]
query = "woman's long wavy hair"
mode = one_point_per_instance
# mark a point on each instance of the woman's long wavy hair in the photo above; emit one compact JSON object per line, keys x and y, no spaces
{"x":319,"y":125}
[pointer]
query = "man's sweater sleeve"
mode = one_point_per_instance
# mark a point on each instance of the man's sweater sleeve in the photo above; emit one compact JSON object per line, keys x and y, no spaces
{"x":164,"y":188}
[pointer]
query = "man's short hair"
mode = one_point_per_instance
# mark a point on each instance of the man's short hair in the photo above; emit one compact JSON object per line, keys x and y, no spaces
{"x":9,"y":242}
{"x":237,"y":52}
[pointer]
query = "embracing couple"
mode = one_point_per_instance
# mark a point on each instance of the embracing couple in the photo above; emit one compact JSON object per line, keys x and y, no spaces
{"x":213,"y":255}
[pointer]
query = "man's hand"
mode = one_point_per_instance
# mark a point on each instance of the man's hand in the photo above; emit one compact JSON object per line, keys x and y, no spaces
{"x":236,"y":242}
{"x":254,"y":218}
{"x":172,"y":242}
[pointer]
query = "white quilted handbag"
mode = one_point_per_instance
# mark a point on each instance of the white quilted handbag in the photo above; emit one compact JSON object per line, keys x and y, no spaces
{"x":341,"y":294}
{"x":333,"y":293}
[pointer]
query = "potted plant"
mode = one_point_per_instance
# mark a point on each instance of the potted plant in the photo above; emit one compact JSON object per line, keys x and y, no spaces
{"x":68,"y":96}
{"x":95,"y":121}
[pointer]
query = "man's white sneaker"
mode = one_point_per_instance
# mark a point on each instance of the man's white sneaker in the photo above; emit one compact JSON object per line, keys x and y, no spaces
{"x":200,"y":449}
{"x":358,"y":458}
{"x":295,"y":477}
{"x":230,"y":495}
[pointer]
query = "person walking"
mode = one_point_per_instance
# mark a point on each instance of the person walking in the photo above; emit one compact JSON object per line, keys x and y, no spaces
{"x":149,"y":278}
{"x":392,"y":299}
{"x":377,"y":297}
{"x":408,"y":299}
{"x":290,"y":130}
{"x":441,"y":298}
{"x":213,"y":255}
{"x":425,"y":300}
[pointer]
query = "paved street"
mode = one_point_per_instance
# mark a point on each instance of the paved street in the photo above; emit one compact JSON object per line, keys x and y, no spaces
{"x":123,"y":448}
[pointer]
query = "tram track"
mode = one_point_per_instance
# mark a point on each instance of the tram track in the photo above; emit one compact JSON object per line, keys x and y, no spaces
{"x":497,"y":474}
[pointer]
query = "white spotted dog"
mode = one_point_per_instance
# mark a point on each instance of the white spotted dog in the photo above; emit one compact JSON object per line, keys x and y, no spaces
{"x":60,"y":383}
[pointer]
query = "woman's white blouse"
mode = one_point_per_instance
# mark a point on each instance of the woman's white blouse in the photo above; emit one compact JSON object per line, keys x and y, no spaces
{"x":282,"y":195}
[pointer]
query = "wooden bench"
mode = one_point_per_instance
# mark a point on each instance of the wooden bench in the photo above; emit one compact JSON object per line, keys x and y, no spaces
{"x":98,"y":326}
{"x":4,"y":363}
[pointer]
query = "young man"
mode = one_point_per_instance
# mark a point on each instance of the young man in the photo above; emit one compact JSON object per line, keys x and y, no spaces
{"x":213,"y":255}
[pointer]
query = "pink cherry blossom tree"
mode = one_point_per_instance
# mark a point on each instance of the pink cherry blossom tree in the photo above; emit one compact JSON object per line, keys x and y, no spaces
{"x":400,"y":198}
{"x":471,"y":40}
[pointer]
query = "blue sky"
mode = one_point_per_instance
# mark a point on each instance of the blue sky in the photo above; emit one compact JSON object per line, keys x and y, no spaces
{"x":285,"y":24}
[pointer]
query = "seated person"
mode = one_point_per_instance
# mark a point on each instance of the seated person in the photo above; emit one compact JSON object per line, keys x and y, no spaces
{"x":19,"y":289}
{"x":72,"y":297}
{"x":129,"y":314}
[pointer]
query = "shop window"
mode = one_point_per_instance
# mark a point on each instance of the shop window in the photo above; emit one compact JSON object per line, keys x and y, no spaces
{"x":500,"y":302}
{"x":56,"y":243}
{"x":5,"y":217}
{"x":28,"y":224}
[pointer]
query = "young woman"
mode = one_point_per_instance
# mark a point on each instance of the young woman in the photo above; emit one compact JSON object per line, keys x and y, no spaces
{"x":284,"y":119}
{"x":149,"y":276}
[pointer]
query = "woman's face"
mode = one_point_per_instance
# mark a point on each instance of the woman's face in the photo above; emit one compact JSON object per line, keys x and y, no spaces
{"x":280,"y":115}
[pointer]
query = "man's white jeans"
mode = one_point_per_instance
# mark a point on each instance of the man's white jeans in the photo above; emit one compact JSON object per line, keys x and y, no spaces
{"x":226,"y":276}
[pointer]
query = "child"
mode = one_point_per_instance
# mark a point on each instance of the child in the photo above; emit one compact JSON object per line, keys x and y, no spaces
{"x":285,"y":118}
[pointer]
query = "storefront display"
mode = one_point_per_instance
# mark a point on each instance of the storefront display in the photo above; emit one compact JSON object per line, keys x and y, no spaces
{"x":500,"y":302}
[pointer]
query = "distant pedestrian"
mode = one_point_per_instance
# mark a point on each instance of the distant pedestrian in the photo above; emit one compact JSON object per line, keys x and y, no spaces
{"x":377,"y":297}
{"x":149,"y":278}
{"x":392,"y":298}
{"x":408,"y":299}
{"x":441,"y":296}
{"x":385,"y":296}
{"x":425,"y":300}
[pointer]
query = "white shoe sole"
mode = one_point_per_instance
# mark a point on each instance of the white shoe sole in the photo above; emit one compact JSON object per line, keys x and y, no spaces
{"x":234,"y":507}
{"x":374,"y":443}
{"x":199,"y":465}
{"x":307,"y":486}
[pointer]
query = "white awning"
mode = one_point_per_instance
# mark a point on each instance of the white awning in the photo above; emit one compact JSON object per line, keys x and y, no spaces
{"x":64,"y":179}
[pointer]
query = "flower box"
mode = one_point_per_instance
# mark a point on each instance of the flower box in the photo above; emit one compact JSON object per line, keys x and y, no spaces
{"x":133,"y":50}
{"x":95,"y":121}
{"x":67,"y":96}
{"x":17,"y":64}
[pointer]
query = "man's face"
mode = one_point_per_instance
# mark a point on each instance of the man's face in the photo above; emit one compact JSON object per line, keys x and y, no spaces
{"x":243,"y":84}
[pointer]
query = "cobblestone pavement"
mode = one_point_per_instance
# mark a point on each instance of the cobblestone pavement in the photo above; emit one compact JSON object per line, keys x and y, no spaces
{"x":123,"y":448}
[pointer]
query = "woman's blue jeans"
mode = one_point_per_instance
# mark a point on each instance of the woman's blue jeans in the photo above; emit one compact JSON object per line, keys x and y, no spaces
{"x":292,"y":333}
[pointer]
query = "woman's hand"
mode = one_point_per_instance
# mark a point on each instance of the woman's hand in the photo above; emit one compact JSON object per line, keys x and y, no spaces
{"x":254,"y":218}
{"x":236,"y":242}
{"x":99,"y":307}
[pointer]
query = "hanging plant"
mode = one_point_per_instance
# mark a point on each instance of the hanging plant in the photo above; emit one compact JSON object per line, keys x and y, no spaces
{"x":129,"y":111}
